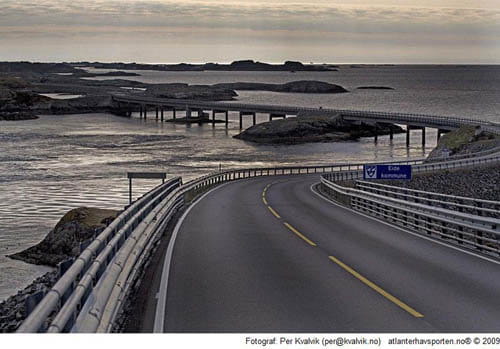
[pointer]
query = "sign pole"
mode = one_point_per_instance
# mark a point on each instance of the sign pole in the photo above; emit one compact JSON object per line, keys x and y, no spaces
{"x":130,"y":190}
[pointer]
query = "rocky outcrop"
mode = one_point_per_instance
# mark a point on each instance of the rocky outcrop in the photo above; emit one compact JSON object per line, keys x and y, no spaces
{"x":311,"y":128}
{"x":304,"y":86}
{"x":185,"y":91}
{"x":63,"y":242}
{"x":17,"y":116}
{"x":465,"y":140}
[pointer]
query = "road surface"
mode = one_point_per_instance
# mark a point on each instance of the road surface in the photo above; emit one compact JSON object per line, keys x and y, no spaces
{"x":269,"y":255}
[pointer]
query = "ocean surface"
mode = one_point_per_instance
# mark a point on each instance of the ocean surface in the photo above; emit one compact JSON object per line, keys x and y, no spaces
{"x":55,"y":163}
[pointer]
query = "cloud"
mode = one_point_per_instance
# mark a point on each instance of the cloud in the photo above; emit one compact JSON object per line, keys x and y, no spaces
{"x":253,"y":15}
{"x":393,"y":24}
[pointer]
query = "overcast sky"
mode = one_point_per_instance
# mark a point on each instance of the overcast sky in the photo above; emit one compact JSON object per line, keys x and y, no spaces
{"x":348,"y":31}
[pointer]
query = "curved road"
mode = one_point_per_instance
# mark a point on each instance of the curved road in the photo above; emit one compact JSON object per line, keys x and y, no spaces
{"x":307,"y":265}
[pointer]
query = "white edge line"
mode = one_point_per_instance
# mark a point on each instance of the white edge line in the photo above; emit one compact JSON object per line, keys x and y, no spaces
{"x":403,"y":230}
{"x":162,"y":292}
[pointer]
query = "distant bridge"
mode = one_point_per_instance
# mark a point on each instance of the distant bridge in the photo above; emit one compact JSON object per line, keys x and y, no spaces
{"x":142,"y":104}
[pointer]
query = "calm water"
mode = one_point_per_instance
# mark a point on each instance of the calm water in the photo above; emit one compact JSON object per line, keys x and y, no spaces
{"x":55,"y":163}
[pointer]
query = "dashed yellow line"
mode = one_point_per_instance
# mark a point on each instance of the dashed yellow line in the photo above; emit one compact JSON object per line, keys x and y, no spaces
{"x":299,"y":234}
{"x":376,"y":288}
{"x":274,"y":212}
{"x":344,"y":266}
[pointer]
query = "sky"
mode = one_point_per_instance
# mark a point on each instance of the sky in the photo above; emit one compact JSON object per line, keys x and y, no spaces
{"x":319,"y":31}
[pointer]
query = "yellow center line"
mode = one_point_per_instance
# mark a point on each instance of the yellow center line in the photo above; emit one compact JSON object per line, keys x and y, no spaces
{"x":303,"y":237}
{"x":274,"y":212}
{"x":376,"y":288}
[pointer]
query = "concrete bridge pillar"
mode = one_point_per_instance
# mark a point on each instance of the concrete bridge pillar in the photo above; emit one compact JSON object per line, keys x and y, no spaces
{"x":161,"y":112}
{"x":227,"y":118}
{"x":440,"y":132}
{"x":423,"y":136}
{"x":274,"y":115}
{"x":243,"y":113}
{"x":157,"y":113}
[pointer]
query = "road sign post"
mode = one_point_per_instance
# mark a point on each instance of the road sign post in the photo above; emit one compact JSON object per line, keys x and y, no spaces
{"x":143,"y":175}
{"x":394,"y":172}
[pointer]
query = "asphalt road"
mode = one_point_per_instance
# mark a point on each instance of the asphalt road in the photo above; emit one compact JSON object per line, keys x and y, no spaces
{"x":307,"y":265}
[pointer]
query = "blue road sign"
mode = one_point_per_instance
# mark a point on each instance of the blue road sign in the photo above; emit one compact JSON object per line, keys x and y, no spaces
{"x":387,"y":172}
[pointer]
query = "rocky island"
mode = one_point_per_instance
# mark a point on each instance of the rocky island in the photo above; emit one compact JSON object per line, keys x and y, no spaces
{"x":315,"y":127}
{"x":303,"y":86}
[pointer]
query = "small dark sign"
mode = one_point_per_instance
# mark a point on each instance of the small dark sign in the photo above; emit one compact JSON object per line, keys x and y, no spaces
{"x":387,"y":172}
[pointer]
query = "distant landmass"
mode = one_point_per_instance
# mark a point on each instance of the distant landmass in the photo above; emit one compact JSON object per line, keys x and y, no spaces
{"x":244,"y":65}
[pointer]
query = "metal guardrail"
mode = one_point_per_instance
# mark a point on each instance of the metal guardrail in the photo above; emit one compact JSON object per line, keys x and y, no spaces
{"x":87,"y":269}
{"x":357,"y":173}
{"x":467,"y":230}
{"x":468,"y":222}
{"x":459,"y":203}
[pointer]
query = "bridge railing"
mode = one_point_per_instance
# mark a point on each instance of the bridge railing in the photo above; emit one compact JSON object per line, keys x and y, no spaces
{"x":434,"y":120}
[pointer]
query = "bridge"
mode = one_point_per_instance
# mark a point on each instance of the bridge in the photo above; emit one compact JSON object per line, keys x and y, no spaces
{"x":131,"y":103}
{"x":288,"y":249}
